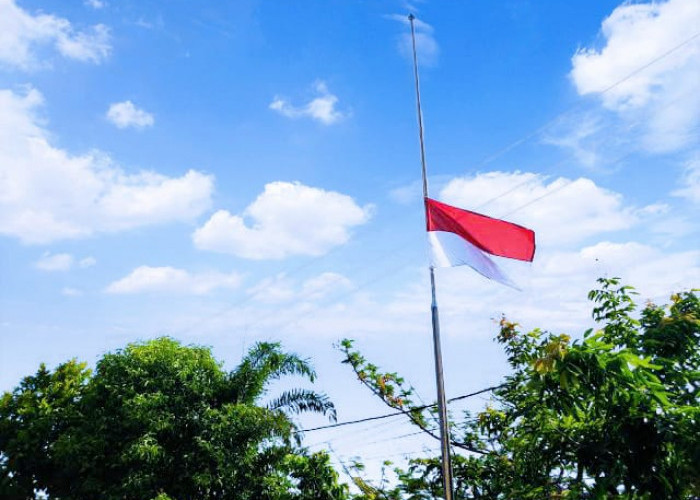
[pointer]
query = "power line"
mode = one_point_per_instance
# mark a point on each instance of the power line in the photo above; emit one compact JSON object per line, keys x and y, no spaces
{"x":399,"y":412}
{"x":403,"y":454}
{"x":387,"y":274}
{"x":487,"y":160}
{"x":400,"y":436}
{"x":294,"y":319}
{"x":402,"y":245}
{"x":557,"y":189}
{"x":549,"y":193}
{"x":562,"y":114}
{"x":365,"y":433}
{"x":576,"y":105}
{"x":369,"y":440}
{"x":275,"y":279}
{"x":360,"y":441}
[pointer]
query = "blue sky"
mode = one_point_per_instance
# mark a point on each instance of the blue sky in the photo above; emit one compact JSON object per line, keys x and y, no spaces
{"x":232,"y":172}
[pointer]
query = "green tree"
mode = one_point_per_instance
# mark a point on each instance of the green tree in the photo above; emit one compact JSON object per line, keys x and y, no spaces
{"x":612,"y":415}
{"x":162,"y":420}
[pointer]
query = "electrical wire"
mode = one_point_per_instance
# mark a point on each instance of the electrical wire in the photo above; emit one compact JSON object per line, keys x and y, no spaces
{"x":365,"y":433}
{"x":578,"y":103}
{"x":397,"y":413}
{"x":487,"y":160}
{"x":403,"y":453}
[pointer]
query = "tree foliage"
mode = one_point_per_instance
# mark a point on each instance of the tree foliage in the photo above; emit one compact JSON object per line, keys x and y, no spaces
{"x":159,"y":420}
{"x":614,"y":414}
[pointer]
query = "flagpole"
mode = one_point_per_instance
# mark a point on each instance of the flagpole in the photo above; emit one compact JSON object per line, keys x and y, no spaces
{"x":439,"y":379}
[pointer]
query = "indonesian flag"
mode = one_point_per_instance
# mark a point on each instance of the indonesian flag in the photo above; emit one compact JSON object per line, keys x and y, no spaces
{"x":460,"y":237}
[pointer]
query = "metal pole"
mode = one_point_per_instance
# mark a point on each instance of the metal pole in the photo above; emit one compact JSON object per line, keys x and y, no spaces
{"x":439,"y":378}
{"x":442,"y":403}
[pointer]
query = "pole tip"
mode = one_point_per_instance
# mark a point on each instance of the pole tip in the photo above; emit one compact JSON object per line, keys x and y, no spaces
{"x":411,"y":17}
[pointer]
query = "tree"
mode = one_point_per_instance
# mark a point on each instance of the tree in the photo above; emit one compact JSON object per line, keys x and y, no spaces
{"x":612,"y":415}
{"x":162,"y":420}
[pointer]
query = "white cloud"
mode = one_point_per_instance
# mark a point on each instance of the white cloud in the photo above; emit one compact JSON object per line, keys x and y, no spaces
{"x":321,"y":108}
{"x":635,"y":35}
{"x":691,"y":181}
{"x":125,"y":114}
{"x":654,"y":209}
{"x":555,"y":285}
{"x":95,"y":4}
{"x":55,"y":262}
{"x":427,"y":48}
{"x":574,"y":221}
{"x":22,"y":34}
{"x":47,"y":194}
{"x":655,"y":272}
{"x":273,"y":290}
{"x":172,"y":280}
{"x":71,"y":292}
{"x":661,"y":95}
{"x":553,"y":296}
{"x":571,"y":218}
{"x":566,"y":211}
{"x":62,"y":262}
{"x":286,"y":219}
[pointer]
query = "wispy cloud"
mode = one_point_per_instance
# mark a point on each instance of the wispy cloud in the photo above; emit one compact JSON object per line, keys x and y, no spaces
{"x":580,"y":137}
{"x":95,"y":4}
{"x":62,"y":262}
{"x":321,"y":108}
{"x":22,"y":34}
{"x":172,"y":280}
{"x":427,"y":48}
{"x":87,"y":262}
{"x":690,"y":181}
{"x":55,"y":262}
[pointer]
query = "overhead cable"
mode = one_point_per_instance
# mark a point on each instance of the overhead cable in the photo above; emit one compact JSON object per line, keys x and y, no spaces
{"x":397,"y":413}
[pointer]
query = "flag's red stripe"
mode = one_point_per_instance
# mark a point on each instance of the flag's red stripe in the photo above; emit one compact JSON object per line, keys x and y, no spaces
{"x":494,"y":236}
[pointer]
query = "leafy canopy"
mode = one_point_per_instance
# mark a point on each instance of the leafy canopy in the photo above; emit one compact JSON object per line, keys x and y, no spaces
{"x":159,"y":420}
{"x":613,"y":415}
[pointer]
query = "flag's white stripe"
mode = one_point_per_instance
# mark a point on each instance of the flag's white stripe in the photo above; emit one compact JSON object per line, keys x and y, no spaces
{"x":451,"y":250}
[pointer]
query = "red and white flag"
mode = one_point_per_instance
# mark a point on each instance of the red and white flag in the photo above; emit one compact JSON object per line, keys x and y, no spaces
{"x":460,"y":237}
